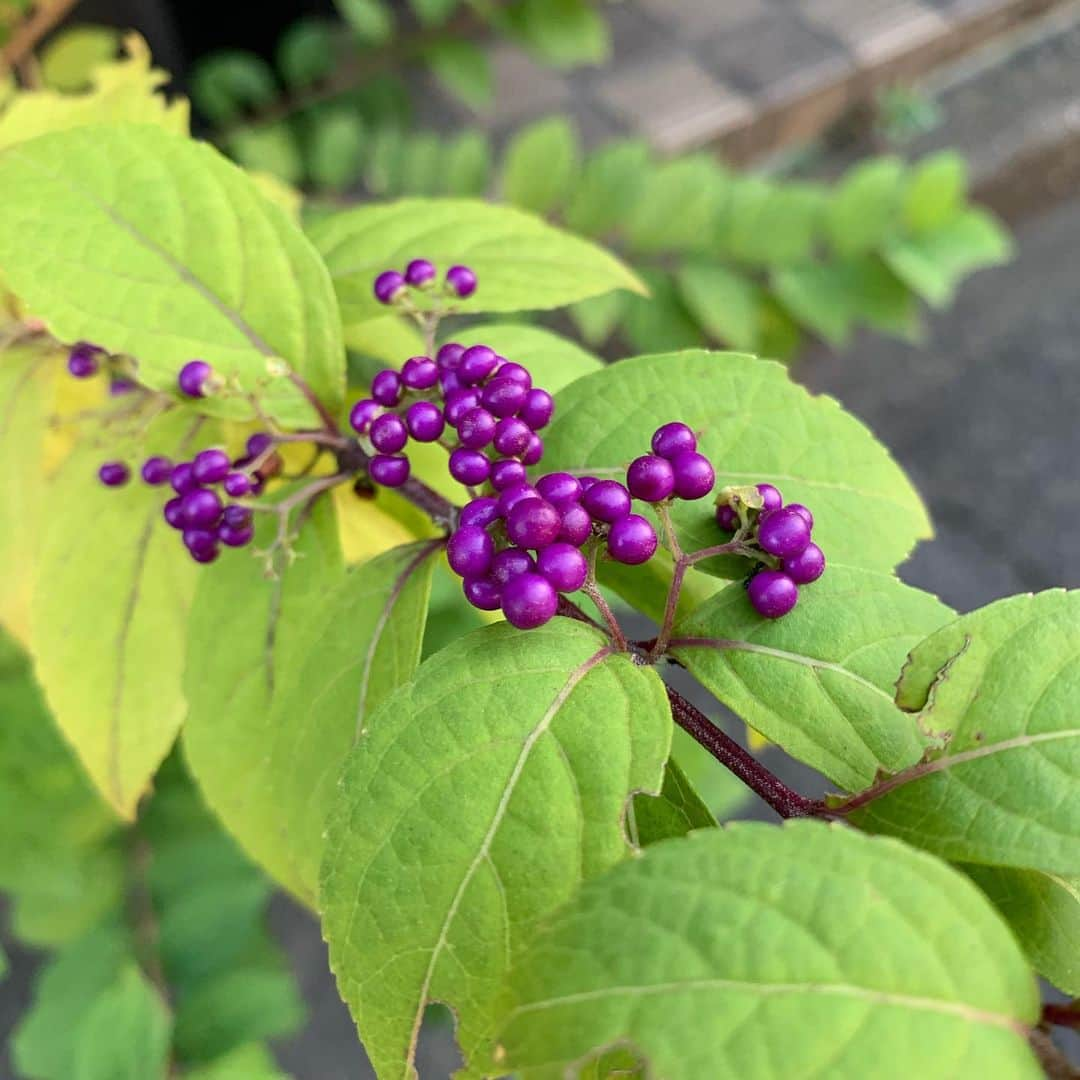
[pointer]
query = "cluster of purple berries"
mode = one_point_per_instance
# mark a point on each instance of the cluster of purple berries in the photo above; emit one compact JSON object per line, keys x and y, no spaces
{"x":784,"y":533}
{"x":85,"y":360}
{"x":519,"y":549}
{"x":392,"y":286}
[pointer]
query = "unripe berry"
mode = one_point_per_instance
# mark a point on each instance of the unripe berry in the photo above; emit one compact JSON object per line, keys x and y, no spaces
{"x":82,"y":360}
{"x":449,"y":356}
{"x":672,"y":439}
{"x":386,"y":388}
{"x":533,"y":451}
{"x":606,"y":500}
{"x":389,"y":285}
{"x":807,"y":566}
{"x":803,"y":512}
{"x":559,"y":488}
{"x":193,"y":376}
{"x":481,"y":511}
{"x":420,"y":272}
{"x":632,"y":540}
{"x":538,"y":408}
{"x":576,"y":524}
{"x":201,"y":509}
{"x":773,"y":500}
{"x":510,"y":563}
{"x":458,"y":403}
{"x":477,"y":363}
{"x":727,"y":518}
{"x":529,"y":601}
{"x":772,"y":593}
{"x":650,"y":478}
{"x":114,"y":474}
{"x":482,"y":593}
{"x":469,"y":551}
{"x":420,"y":373}
{"x":503,"y":397}
{"x":477,"y":428}
{"x":694,"y":476}
{"x":389,"y":471}
{"x":156,"y":470}
{"x":210,"y":466}
{"x":512,"y":436}
{"x":461,"y":281}
{"x":469,"y":467}
{"x":507,"y":472}
{"x":533,"y":523}
{"x":388,"y":433}
{"x":783,"y":532}
{"x":425,"y":421}
{"x":564,"y":566}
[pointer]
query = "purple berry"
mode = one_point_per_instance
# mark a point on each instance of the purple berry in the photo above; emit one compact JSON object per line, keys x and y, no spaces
{"x":529,"y":601}
{"x":425,"y":421}
{"x":512,"y":436}
{"x":231,"y":537}
{"x":82,"y":360}
{"x":807,"y":566}
{"x":564,"y":566}
{"x":533,"y":523}
{"x":259,"y":443}
{"x":476,"y":364}
{"x":672,"y":439}
{"x":534,"y":451}
{"x":632,"y":540}
{"x":172,"y":512}
{"x":503,"y":397}
{"x":210,"y":466}
{"x":202,"y":543}
{"x":576,"y":524}
{"x":448,"y":381}
{"x":694,"y":476}
{"x":469,"y":467}
{"x":506,"y":473}
{"x":420,"y":373}
{"x":237,"y":484}
{"x":469,"y":551}
{"x":509,"y":564}
{"x":606,"y":500}
{"x":461,"y":281}
{"x":511,"y":496}
{"x":388,"y":286}
{"x":114,"y":474}
{"x":587,"y":482}
{"x":386,"y":388}
{"x":650,"y":478}
{"x":183,"y":478}
{"x":559,"y":488}
{"x":449,"y":356}
{"x":236,"y":517}
{"x":783,"y":532}
{"x":420,"y":272}
{"x":772,"y":593}
{"x":477,"y":428}
{"x":481,"y":511}
{"x":119,"y":387}
{"x":804,"y":513}
{"x":516,"y":373}
{"x":727,"y":518}
{"x":388,"y":433}
{"x":538,"y":408}
{"x":482,"y":593}
{"x":193,"y":376}
{"x":201,"y":509}
{"x":773,"y":500}
{"x":156,"y":470}
{"x":458,"y":403}
{"x":389,"y":471}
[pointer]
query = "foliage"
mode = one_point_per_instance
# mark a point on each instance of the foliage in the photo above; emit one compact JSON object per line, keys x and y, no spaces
{"x":484,"y":816}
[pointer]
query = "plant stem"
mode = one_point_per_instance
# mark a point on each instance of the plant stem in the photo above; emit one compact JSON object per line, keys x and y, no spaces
{"x":141,"y":914}
{"x":786,"y":802}
{"x":592,"y":591}
{"x":1066,"y":1015}
{"x":23,"y":41}
{"x":329,"y":423}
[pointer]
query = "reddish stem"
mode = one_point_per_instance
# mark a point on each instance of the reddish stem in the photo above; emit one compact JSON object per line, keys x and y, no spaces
{"x":1062,"y":1015}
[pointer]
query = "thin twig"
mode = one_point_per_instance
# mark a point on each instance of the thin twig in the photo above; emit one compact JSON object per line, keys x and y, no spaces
{"x":1066,"y":1015}
{"x":329,"y":423}
{"x":25,"y":39}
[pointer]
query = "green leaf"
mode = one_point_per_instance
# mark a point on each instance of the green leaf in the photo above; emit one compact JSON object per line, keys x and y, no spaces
{"x":676,"y":208}
{"x":817,"y":296}
{"x":935,"y":191}
{"x":270,"y":148}
{"x":725,"y":303}
{"x":383,"y":168}
{"x":698,"y":953}
{"x":677,"y":810}
{"x":68,"y":60}
{"x":610,"y":184}
{"x":998,"y":687}
{"x":109,"y":646}
{"x":867,"y":512}
{"x":770,"y":224}
{"x":864,"y":209}
{"x":563,"y":33}
{"x":466,"y":165}
{"x":933,"y":263}
{"x":472,"y":807}
{"x":541,"y":163}
{"x":144,"y":282}
{"x":252,"y":1061}
{"x":433,"y":12}
{"x":225,"y":84}
{"x":370,"y":20}
{"x":125,"y":1034}
{"x":879,"y":298}
{"x":1044,"y":913}
{"x":597,"y":318}
{"x":661,"y":321}
{"x":306,"y":51}
{"x":554,"y":361}
{"x":335,"y":149}
{"x":421,"y":156}
{"x":272,"y":719}
{"x":818,"y":682}
{"x":464,"y":69}
{"x":521,"y":262}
